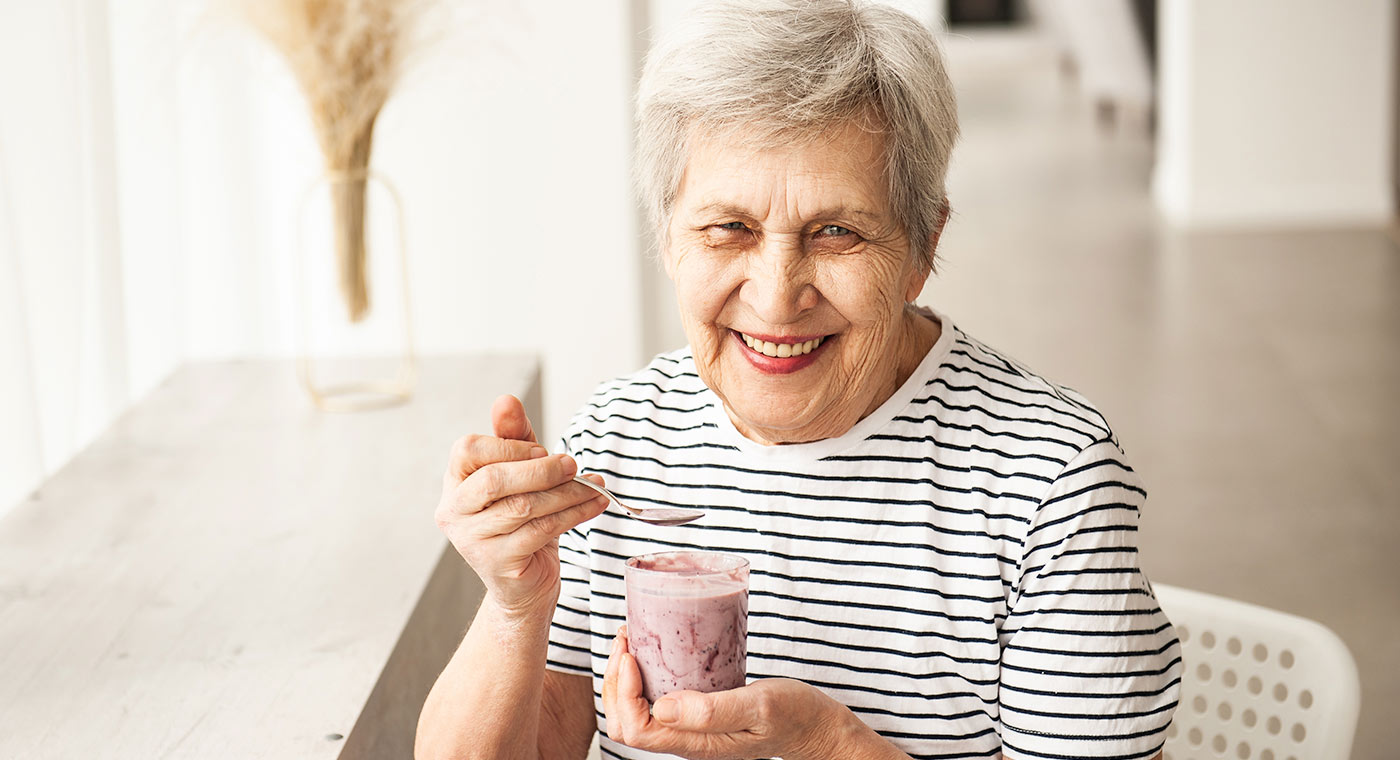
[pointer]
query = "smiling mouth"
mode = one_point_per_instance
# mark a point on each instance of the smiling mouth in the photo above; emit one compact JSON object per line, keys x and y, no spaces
{"x":781,"y":350}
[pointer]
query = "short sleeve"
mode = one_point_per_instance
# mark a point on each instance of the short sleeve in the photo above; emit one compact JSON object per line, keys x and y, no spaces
{"x":569,"y":632}
{"x":1091,"y":667}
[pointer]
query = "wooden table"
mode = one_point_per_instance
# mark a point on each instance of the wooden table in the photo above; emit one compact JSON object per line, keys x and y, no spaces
{"x":228,"y":572}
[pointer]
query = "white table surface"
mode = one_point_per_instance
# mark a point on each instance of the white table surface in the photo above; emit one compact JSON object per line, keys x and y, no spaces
{"x":228,"y":572}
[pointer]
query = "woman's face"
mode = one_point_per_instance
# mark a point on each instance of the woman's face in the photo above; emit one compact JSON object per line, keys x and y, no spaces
{"x":792,"y":275}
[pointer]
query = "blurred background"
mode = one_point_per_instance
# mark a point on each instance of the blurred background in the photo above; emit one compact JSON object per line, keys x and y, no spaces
{"x":1183,"y":209}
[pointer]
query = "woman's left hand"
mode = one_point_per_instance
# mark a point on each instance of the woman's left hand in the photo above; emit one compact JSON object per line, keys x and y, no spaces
{"x":767,"y":718}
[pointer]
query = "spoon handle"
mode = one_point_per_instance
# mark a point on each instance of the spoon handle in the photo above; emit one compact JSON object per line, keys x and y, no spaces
{"x":605,"y":492}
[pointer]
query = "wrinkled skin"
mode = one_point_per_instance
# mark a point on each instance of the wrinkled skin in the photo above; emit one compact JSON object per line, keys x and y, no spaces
{"x":796,"y":240}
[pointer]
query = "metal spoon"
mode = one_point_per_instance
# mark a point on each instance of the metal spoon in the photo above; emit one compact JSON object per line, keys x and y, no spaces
{"x":653,"y":515}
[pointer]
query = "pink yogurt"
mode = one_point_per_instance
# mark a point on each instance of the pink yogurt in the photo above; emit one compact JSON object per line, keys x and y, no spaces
{"x":687,"y":620}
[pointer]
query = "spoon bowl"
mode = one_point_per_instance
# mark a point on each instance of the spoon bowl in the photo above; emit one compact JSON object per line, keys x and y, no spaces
{"x":653,"y":515}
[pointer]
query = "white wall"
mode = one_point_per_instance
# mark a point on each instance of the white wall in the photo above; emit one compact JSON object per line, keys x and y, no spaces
{"x":1273,"y":112}
{"x":509,"y":142}
{"x":151,"y":161}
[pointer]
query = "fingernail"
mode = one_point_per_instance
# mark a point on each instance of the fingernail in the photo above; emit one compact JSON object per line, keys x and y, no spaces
{"x":570,"y":466}
{"x":666,"y":710}
{"x":538,"y":452}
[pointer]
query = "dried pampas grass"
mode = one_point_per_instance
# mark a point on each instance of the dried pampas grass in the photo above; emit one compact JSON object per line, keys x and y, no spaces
{"x":346,"y":56}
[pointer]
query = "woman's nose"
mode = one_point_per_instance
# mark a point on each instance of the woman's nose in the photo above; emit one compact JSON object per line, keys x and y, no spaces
{"x":778,"y":286}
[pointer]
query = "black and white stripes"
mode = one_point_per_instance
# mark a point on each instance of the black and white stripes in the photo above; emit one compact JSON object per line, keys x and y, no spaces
{"x":960,"y":569}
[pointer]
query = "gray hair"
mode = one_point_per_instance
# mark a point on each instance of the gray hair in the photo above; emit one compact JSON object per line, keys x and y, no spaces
{"x":775,"y":71}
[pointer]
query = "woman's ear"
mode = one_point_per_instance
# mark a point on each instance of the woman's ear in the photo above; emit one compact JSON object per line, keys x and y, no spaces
{"x":915,"y":284}
{"x":920,"y":274}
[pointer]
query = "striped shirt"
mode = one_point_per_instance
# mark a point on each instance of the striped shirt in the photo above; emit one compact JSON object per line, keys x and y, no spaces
{"x":960,"y":568}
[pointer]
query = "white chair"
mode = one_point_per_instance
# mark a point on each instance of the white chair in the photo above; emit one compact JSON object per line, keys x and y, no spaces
{"x":1258,"y":684}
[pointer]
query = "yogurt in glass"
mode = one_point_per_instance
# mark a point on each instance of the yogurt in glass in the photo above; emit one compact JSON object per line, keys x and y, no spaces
{"x":687,"y":620}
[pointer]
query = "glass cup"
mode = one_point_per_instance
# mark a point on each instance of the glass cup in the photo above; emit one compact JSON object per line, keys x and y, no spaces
{"x":688,"y":620}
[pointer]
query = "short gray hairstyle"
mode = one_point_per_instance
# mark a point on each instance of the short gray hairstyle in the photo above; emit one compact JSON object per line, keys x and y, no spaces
{"x":779,"y":70}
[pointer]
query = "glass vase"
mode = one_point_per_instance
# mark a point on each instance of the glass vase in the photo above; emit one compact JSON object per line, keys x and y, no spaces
{"x":354,"y":333}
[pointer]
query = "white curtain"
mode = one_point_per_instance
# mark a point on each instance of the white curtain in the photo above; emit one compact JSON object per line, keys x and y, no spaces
{"x":67,"y":369}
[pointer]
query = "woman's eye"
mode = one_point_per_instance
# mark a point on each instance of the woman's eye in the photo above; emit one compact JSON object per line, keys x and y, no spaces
{"x":834,"y":238}
{"x":727,"y":235}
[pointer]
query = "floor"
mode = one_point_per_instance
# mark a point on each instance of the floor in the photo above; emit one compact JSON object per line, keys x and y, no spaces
{"x":1252,"y":376}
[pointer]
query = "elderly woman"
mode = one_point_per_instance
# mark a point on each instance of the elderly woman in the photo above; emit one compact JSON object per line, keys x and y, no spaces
{"x":942,"y":543}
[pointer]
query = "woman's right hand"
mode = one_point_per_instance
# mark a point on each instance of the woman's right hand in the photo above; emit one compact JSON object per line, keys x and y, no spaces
{"x":505,"y":502}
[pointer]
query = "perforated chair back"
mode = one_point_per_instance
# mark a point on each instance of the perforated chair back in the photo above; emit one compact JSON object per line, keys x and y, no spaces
{"x":1258,"y":684}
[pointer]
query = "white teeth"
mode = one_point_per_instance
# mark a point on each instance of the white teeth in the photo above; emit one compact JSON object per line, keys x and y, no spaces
{"x":781,"y":350}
